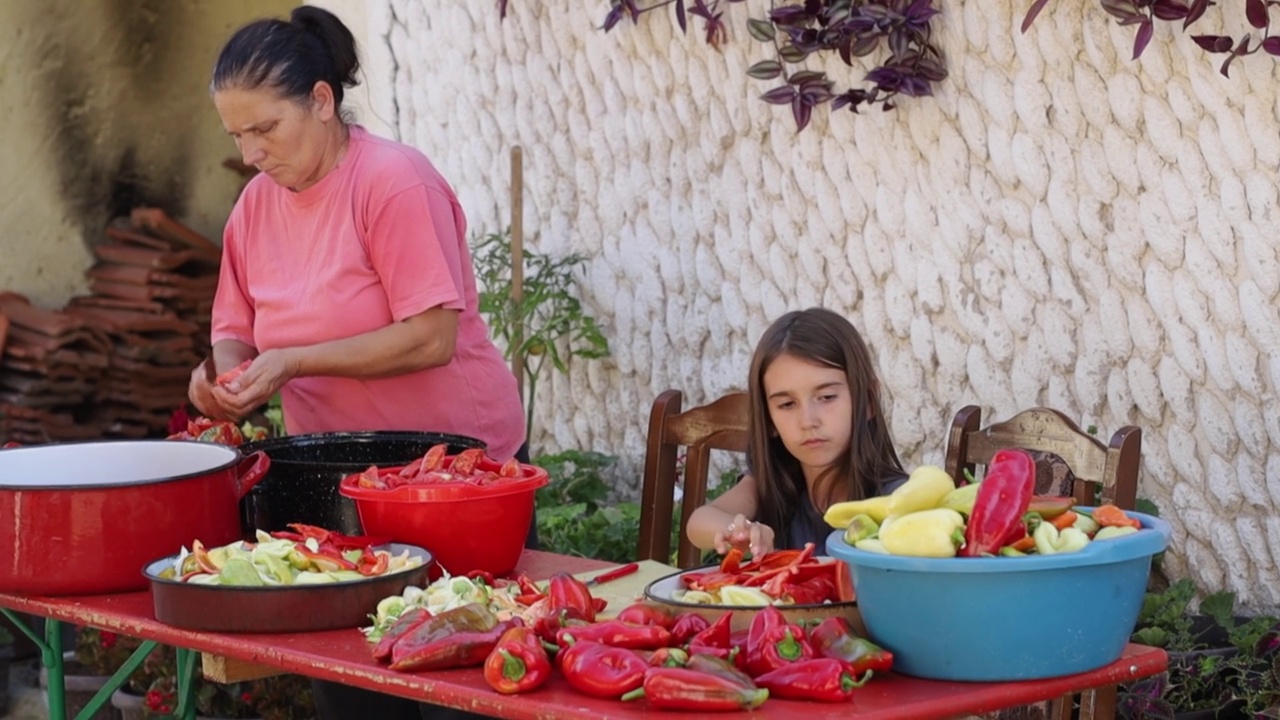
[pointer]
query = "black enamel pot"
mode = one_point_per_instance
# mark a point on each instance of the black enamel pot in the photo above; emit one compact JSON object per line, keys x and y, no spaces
{"x":302,"y":484}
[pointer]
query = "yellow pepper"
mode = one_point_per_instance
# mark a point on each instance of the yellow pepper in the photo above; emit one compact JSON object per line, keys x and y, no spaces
{"x":861,"y":528}
{"x":961,"y":499}
{"x":1114,"y":531}
{"x":1049,"y":541}
{"x":871,"y":545}
{"x":841,"y":514}
{"x":923,"y":490}
{"x":928,"y":533}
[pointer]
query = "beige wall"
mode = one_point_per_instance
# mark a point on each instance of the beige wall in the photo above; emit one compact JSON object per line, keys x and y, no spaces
{"x":1059,"y":225}
{"x":104,"y":104}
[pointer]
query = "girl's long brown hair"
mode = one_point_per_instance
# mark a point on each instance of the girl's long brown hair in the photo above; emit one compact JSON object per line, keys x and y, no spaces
{"x":820,"y":336}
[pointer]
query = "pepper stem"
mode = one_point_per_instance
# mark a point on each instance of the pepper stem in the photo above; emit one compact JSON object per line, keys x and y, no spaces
{"x":513,"y":668}
{"x":788,"y":648}
{"x":633,"y":695}
{"x":848,"y":683}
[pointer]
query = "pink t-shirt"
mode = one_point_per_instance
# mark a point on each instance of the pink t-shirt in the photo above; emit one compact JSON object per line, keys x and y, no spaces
{"x":377,"y":240}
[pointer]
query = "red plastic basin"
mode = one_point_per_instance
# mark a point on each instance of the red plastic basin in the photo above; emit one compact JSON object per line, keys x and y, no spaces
{"x":464,"y":526}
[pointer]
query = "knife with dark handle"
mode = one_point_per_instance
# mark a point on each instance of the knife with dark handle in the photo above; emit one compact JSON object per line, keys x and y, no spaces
{"x":614,"y":574}
{"x":210,"y":372}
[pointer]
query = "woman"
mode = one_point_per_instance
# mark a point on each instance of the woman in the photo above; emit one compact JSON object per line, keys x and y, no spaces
{"x":345,"y":278}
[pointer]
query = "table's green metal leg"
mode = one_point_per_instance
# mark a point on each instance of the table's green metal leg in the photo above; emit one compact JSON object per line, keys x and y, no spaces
{"x":187,"y":660}
{"x":51,"y":658}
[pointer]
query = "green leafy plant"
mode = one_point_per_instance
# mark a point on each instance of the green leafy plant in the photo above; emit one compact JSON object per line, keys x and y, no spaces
{"x":575,"y":518}
{"x":1245,"y":674}
{"x":102,"y":652}
{"x":279,"y":697}
{"x":547,"y":323}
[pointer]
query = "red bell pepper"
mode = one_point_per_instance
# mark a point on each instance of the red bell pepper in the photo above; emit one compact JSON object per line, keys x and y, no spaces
{"x":820,"y":679}
{"x":720,"y":666}
{"x":833,"y":638}
{"x":408,"y":621}
{"x":684,"y":689}
{"x":665,"y":657}
{"x":567,"y":591}
{"x":461,"y":649}
{"x":1002,"y":500}
{"x":518,"y":663}
{"x":772,"y":642}
{"x":716,"y":639}
{"x":686,"y":626}
{"x":602,"y":671}
{"x":618,"y":634}
{"x":548,"y":627}
{"x":643,"y":613}
{"x":472,"y":617}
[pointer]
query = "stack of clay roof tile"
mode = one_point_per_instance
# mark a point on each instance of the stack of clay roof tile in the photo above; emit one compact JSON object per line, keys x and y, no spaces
{"x":50,"y":366}
{"x":152,"y":291}
{"x":116,"y":362}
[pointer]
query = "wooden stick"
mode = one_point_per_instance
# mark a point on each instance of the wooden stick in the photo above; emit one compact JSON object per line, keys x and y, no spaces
{"x":517,"y":264}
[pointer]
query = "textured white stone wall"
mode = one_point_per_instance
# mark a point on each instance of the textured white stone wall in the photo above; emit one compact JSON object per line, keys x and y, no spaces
{"x":1058,"y":226}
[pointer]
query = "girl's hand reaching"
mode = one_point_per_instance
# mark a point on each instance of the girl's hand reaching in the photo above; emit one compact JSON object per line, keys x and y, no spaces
{"x":746,"y":535}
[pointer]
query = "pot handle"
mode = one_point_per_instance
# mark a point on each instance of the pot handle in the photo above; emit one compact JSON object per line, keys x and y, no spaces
{"x":250,"y":470}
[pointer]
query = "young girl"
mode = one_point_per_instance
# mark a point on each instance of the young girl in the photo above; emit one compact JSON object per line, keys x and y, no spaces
{"x":817,"y":436}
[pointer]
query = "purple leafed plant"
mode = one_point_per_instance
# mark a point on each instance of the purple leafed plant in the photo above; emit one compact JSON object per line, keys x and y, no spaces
{"x":1144,"y":14}
{"x":801,"y":28}
{"x":850,"y":29}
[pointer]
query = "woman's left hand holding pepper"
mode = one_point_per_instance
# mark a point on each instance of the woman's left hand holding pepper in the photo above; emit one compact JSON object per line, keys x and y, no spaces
{"x":262,"y":380}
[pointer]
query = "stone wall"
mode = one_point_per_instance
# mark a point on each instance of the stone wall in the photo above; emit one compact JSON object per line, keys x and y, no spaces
{"x":1059,"y":226}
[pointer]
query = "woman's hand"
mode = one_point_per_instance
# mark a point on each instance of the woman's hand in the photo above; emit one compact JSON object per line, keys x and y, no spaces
{"x":257,"y":384}
{"x":746,"y":535}
{"x":200,"y":390}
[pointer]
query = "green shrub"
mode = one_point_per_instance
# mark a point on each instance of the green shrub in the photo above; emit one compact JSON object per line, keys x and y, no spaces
{"x":574,"y":517}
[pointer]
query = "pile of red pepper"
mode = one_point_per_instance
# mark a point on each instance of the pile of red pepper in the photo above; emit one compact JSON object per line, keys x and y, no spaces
{"x":202,"y":429}
{"x":436,"y":467}
{"x":793,"y":576}
{"x":674,"y":661}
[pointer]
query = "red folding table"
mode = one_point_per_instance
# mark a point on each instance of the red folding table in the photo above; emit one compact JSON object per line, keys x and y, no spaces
{"x":343,"y":656}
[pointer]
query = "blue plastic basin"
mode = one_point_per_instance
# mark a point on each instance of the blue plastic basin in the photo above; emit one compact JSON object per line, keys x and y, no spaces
{"x":1002,"y":618}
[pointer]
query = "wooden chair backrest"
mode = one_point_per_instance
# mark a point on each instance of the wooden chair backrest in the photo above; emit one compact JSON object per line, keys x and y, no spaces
{"x":1114,"y":466}
{"x":719,"y":425}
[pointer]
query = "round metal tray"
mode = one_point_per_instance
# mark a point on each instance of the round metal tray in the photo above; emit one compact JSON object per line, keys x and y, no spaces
{"x":659,"y":592}
{"x":280,"y":608}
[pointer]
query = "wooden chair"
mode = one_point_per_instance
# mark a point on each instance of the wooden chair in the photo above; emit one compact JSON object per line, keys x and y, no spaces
{"x":719,"y":425}
{"x":1113,"y":466}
